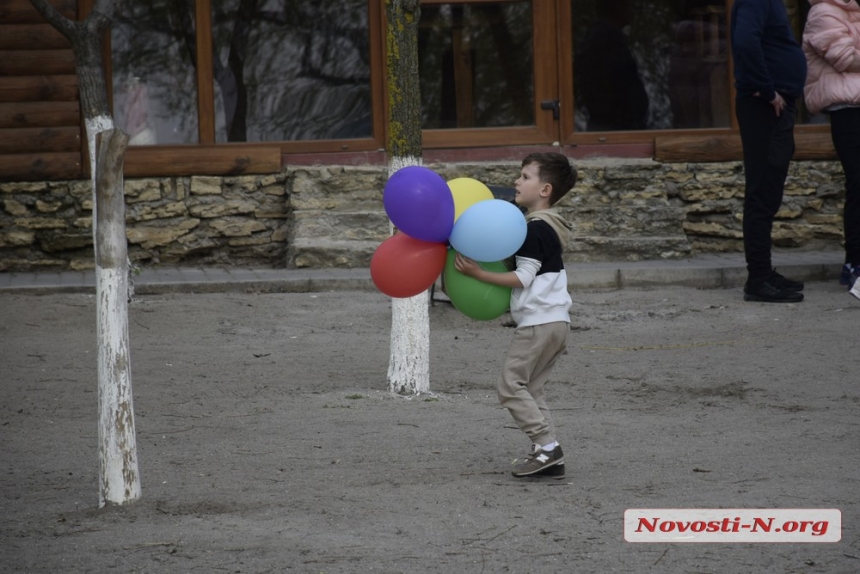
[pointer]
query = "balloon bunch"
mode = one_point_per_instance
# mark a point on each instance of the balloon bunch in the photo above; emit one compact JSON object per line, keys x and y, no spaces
{"x":430,"y":214}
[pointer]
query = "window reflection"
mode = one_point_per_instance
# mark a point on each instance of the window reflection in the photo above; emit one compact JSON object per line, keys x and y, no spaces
{"x":650,"y":65}
{"x":476,"y":65}
{"x":291,"y":70}
{"x":154,"y":87}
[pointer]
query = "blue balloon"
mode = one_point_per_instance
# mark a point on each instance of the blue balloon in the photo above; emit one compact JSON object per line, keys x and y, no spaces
{"x":420,"y":204}
{"x":490,"y":230}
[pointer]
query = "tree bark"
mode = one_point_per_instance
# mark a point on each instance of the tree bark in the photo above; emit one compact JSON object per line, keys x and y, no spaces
{"x":86,"y":39}
{"x":119,"y":479}
{"x":409,"y":360}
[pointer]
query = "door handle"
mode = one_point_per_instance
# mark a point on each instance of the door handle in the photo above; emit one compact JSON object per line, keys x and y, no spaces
{"x":553,"y":105}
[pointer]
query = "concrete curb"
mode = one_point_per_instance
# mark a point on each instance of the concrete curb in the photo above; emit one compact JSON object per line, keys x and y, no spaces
{"x":708,"y":271}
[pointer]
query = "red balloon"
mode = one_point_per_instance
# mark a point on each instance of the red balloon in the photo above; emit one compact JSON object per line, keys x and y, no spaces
{"x":403,"y":266}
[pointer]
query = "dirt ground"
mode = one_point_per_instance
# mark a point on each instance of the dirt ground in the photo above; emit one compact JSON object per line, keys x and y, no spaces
{"x":268,"y":442}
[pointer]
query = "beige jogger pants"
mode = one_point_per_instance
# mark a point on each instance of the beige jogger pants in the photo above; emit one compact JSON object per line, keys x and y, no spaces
{"x":528,"y":363}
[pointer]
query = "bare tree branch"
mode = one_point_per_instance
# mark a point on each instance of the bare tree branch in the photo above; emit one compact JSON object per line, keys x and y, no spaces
{"x":100,"y":18}
{"x":54,"y":18}
{"x":97,"y":21}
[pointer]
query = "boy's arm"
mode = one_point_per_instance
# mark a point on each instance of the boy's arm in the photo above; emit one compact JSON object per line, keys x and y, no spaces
{"x":473,"y":269}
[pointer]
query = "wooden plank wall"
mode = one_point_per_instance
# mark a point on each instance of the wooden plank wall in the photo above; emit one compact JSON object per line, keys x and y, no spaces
{"x":40,"y":119}
{"x":811,"y":143}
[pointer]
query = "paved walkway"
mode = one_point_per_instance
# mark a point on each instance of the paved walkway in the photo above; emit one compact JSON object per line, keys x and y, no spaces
{"x":702,"y":271}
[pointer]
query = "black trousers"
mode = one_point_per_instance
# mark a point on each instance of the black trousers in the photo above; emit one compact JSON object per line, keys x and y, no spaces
{"x":768,"y":144}
{"x":845,"y":131}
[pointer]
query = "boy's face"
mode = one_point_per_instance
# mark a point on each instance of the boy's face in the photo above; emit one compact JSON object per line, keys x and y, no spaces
{"x":531,"y":191}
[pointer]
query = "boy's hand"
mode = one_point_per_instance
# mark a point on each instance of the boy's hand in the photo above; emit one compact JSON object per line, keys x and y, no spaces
{"x":473,"y":269}
{"x":466,"y":266}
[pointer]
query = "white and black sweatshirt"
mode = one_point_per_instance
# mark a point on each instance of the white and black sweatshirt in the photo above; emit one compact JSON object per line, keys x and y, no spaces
{"x":544,"y":297}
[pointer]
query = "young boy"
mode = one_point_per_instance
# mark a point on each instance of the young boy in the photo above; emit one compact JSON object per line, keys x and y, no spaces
{"x":540,"y":305}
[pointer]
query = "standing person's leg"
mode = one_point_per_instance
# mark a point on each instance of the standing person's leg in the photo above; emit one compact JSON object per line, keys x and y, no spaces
{"x":532,"y":350}
{"x":845,"y":131}
{"x":555,"y":336}
{"x":768,"y":145}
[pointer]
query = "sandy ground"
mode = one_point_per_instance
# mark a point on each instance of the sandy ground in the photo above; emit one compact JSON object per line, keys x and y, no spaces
{"x":268,"y":442}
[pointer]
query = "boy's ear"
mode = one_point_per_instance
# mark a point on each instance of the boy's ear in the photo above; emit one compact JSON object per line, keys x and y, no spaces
{"x":546,"y":190}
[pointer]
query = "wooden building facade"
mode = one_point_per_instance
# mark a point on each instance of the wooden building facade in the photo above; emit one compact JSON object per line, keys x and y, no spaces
{"x":40,"y":118}
{"x":258,"y":129}
{"x":224,"y":88}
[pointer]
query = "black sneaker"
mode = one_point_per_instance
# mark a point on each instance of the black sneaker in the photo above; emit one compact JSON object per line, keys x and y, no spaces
{"x":538,"y":460}
{"x":766,"y":291}
{"x":784,"y":283}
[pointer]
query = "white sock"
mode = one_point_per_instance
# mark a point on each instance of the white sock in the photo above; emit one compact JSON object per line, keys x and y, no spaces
{"x":549,"y":447}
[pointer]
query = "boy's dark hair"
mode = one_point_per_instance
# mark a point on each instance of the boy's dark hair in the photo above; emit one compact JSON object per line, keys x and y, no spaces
{"x":554,"y":169}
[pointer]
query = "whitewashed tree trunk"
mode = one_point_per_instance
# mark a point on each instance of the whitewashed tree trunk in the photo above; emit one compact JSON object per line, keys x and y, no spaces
{"x":119,"y":479}
{"x":409,"y":362}
{"x":95,"y":126}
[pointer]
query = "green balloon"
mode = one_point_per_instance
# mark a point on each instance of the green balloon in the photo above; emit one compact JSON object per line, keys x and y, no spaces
{"x":475,"y":299}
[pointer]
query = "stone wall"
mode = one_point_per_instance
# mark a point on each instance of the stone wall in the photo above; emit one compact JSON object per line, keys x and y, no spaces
{"x":333,"y":217}
{"x":213,"y":221}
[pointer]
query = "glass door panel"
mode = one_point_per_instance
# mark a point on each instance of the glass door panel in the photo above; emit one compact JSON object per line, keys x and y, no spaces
{"x":476,"y":65}
{"x":291,"y":70}
{"x":153,"y":71}
{"x":650,"y":65}
{"x":486,"y":68}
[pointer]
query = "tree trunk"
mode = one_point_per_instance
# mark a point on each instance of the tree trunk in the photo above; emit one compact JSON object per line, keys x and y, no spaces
{"x":409,"y":361}
{"x":119,"y":481}
{"x":86,"y":39}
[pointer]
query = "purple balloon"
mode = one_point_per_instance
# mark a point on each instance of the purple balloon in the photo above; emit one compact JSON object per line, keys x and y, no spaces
{"x":420,"y":204}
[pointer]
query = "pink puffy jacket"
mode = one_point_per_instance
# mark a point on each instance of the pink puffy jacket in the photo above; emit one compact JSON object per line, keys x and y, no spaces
{"x":831,"y":42}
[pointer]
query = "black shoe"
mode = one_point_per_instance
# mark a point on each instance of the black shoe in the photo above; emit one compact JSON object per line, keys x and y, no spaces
{"x":765,"y":290}
{"x":784,"y":283}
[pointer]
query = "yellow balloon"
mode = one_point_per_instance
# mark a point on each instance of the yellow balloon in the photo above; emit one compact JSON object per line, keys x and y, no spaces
{"x":467,"y":192}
